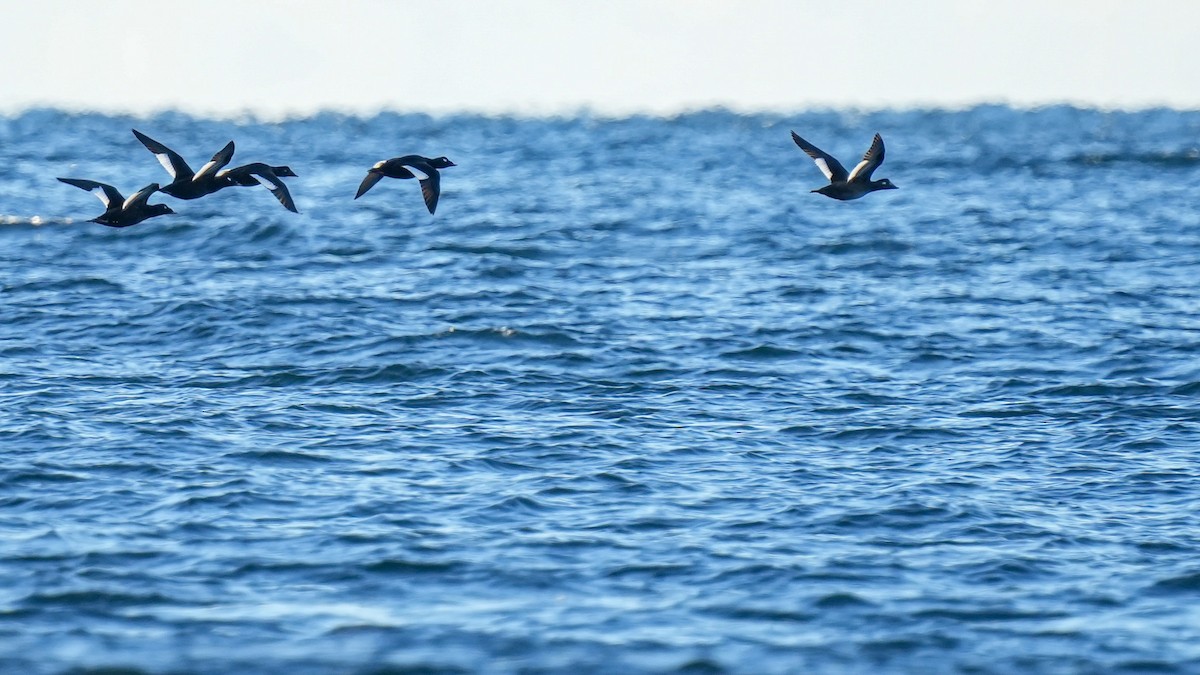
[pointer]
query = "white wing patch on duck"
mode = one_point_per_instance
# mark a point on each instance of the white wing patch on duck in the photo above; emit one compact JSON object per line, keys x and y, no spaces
{"x":824,"y":167}
{"x":263,"y":181}
{"x":165,"y":160}
{"x":861,"y":165}
{"x":417,"y":173}
{"x":204,"y":170}
{"x":140,"y":196}
{"x":101,"y":194}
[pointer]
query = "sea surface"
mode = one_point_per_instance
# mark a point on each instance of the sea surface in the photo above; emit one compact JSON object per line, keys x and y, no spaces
{"x":634,"y":400}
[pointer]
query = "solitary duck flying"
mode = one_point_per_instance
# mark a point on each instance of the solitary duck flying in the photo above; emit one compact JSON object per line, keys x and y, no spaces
{"x":118,"y":211}
{"x":423,"y":169}
{"x":851,"y":185}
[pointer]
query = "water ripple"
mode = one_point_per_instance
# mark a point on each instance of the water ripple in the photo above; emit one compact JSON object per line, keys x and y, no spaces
{"x":646,"y":413}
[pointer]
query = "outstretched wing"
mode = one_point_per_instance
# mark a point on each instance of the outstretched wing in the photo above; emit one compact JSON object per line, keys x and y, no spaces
{"x":269,"y":180}
{"x":107,"y":194}
{"x":431,"y":188}
{"x":170,"y":159}
{"x":870,"y":161}
{"x":431,"y":182}
{"x":215,"y":164}
{"x":826,"y":162}
{"x":369,"y":182}
{"x":139,"y":198}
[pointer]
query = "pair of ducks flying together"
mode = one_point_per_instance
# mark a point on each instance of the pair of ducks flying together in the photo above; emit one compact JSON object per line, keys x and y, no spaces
{"x":213,"y":176}
{"x":843,"y":185}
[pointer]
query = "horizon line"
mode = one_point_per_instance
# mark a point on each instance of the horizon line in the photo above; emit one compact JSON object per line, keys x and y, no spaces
{"x":583,"y":110}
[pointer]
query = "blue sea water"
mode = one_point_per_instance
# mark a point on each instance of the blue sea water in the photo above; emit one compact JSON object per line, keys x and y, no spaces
{"x":634,"y":400}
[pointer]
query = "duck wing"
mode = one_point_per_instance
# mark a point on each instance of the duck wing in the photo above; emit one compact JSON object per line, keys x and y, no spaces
{"x":431,"y":189}
{"x":369,"y":182}
{"x":170,"y":159}
{"x":870,"y":161}
{"x":215,"y":164}
{"x":108,"y":195}
{"x":269,"y":180}
{"x":826,"y":162}
{"x":430,"y":179}
{"x":138,"y":199}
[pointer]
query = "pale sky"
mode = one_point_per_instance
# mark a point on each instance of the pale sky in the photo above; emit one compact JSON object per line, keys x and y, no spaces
{"x":277,"y":57}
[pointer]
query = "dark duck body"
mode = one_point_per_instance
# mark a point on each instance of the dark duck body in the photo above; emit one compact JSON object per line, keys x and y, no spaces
{"x":846,"y":185}
{"x":424,"y":169}
{"x":118,"y":211}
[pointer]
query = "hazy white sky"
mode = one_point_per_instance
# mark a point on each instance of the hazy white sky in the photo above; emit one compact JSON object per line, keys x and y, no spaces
{"x":279,"y":57}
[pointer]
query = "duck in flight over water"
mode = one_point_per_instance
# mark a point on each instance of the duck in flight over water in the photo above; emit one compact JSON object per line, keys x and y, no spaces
{"x":845,"y":185}
{"x":257,"y":173}
{"x":185,"y":183}
{"x":423,"y":169}
{"x":118,"y":211}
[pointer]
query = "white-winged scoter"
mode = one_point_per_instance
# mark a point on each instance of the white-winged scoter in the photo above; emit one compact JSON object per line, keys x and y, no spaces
{"x":186,"y":184}
{"x":423,"y":169}
{"x":265,"y":175}
{"x":845,"y":185}
{"x":118,"y":211}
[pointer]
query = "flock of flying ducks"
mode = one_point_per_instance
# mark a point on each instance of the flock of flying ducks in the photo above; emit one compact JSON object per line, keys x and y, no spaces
{"x":213,"y":176}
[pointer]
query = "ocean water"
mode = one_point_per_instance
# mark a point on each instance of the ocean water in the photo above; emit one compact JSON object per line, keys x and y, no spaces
{"x":634,"y":400}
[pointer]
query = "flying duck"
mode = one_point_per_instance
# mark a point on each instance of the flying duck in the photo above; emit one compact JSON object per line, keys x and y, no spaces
{"x":423,"y":169}
{"x":265,"y":175}
{"x":851,"y":185}
{"x":186,"y":184}
{"x":118,"y":211}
